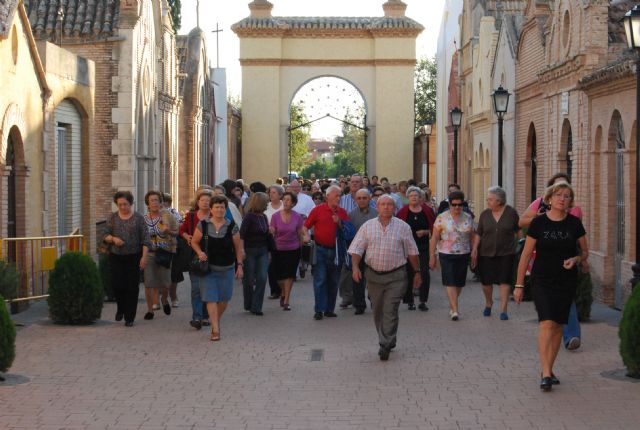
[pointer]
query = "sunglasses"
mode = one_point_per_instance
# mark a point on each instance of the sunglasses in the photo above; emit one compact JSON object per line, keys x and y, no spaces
{"x":377,"y":195}
{"x":456,"y":205}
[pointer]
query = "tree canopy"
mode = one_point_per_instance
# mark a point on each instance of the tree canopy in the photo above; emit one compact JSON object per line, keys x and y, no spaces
{"x":176,"y":14}
{"x":425,"y":78}
{"x":299,"y":151}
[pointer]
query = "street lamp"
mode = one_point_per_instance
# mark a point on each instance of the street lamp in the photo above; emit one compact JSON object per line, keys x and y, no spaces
{"x":632,"y":29}
{"x":456,"y":120}
{"x":500,"y":104}
{"x":425,"y":130}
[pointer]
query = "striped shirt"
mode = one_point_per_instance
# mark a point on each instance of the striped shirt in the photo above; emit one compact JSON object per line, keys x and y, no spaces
{"x":387,"y":248}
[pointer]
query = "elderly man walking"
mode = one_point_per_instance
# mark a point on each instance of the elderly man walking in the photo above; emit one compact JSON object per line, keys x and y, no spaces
{"x":388,"y":243}
{"x":361,"y":214}
{"x":325,"y":219}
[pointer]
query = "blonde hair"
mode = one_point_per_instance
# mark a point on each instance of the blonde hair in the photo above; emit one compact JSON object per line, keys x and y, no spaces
{"x":201,"y":192}
{"x":550,"y":191}
{"x":257,"y":203}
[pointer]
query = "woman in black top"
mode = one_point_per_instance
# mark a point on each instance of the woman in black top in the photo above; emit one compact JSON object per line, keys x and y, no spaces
{"x":128,"y":239}
{"x":494,"y":249}
{"x":254,"y":232}
{"x":555,"y":236}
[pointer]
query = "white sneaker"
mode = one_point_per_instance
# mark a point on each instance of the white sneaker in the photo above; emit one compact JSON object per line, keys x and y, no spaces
{"x":175,"y":303}
{"x":156,"y":307}
{"x":573,"y":344}
{"x":453,"y":315}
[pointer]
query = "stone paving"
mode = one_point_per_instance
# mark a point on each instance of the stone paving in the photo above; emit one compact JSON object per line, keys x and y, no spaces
{"x":477,"y":373}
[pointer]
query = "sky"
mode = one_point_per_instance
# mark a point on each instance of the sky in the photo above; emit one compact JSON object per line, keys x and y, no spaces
{"x":225,"y":13}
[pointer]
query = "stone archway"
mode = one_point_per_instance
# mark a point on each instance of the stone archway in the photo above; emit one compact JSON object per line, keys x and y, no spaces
{"x":280,"y":54}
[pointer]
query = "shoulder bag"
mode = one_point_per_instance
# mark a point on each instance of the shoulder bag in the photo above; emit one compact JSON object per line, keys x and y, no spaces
{"x":198,"y":267}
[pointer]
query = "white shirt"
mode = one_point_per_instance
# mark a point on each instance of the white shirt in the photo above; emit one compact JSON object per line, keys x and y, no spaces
{"x":271,"y":210}
{"x":305,"y":205}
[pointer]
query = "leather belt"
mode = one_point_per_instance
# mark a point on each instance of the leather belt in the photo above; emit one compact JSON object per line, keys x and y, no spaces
{"x":386,"y":272}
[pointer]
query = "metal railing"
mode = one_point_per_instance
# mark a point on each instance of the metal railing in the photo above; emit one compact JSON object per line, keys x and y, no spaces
{"x":34,"y":258}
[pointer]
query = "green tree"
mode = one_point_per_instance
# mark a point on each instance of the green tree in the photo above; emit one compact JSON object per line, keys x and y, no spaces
{"x":425,"y":78}
{"x":350,"y":146}
{"x":319,"y":167}
{"x":176,"y":14}
{"x":299,"y":138}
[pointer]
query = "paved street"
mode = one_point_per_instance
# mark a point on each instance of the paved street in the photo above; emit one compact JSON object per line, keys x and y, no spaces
{"x":478,"y":373}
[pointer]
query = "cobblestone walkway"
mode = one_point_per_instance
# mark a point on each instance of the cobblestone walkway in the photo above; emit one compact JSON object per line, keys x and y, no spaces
{"x":286,"y":371}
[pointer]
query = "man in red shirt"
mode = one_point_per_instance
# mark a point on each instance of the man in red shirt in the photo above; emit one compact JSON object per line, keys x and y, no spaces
{"x":325,"y":219}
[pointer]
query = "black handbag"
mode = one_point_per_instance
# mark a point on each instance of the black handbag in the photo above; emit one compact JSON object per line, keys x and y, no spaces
{"x":163,"y":257}
{"x":198,"y":267}
{"x":184,"y":256}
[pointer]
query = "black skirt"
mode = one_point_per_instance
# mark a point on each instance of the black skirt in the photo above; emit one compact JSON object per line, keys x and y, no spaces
{"x":454,"y":269}
{"x":286,"y":263}
{"x":496,"y":270}
{"x":553,"y":296}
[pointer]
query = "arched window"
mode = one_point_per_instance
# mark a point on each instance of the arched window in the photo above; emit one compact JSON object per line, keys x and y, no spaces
{"x":532,"y":159}
{"x":566,"y":148}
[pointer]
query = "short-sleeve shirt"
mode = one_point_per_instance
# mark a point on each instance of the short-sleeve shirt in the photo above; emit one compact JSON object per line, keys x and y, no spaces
{"x":286,"y":233}
{"x":498,"y":238}
{"x":556,"y":241}
{"x":455,"y":237}
{"x":321,"y":220}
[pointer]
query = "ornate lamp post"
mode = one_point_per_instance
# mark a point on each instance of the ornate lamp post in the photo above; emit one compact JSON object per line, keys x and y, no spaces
{"x":425,"y":130}
{"x":632,"y":28}
{"x":456,"y":120}
{"x":500,"y":104}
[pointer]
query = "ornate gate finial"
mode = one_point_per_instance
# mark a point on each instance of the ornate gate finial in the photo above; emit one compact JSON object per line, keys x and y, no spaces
{"x":260,"y":9}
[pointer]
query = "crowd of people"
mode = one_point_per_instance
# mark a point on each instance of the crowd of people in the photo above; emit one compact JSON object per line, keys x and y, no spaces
{"x":363,"y":237}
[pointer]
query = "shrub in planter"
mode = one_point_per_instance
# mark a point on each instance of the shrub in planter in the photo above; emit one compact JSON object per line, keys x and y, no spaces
{"x":629,"y":334}
{"x":8,"y":280}
{"x":584,"y":296}
{"x":105,"y":276}
{"x":7,"y":339}
{"x":75,"y":290}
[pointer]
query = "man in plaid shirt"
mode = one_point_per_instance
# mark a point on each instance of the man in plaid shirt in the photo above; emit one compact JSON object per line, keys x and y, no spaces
{"x":388,"y":243}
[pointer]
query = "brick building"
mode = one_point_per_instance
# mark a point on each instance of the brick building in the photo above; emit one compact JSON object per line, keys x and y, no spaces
{"x":132,"y":43}
{"x":47,"y":106}
{"x":573,"y":111}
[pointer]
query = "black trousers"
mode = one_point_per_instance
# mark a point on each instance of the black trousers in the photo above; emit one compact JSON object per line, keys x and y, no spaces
{"x":359,"y":302}
{"x":125,"y":281}
{"x":273,"y":279}
{"x":426,"y":280}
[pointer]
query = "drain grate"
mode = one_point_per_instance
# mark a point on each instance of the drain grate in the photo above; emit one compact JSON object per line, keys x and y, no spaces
{"x":317,"y":354}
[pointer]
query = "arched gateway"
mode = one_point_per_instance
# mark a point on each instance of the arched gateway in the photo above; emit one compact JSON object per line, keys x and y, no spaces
{"x":280,"y":54}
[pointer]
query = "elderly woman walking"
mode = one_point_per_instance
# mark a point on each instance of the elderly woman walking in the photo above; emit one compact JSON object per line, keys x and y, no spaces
{"x":255,"y":233}
{"x":494,"y":249}
{"x":555,"y":235}
{"x":276,"y":191}
{"x":420,"y":218}
{"x":452,"y":234}
{"x":224,"y":252}
{"x":128,"y":239}
{"x":163,"y":229}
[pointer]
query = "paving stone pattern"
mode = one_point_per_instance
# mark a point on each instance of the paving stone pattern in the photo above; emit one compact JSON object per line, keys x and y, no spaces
{"x":286,"y":371}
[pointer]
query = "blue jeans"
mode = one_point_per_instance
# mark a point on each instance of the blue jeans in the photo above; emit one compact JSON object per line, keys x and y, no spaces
{"x":325,"y":279}
{"x":254,"y":281}
{"x":198,"y":308}
{"x":572,"y":328}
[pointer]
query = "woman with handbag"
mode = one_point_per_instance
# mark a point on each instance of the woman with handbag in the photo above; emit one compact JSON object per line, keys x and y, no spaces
{"x":217,"y":241}
{"x":163,"y":229}
{"x":287,"y":228}
{"x":201,"y":210}
{"x":128,"y":239}
{"x":254,"y":233}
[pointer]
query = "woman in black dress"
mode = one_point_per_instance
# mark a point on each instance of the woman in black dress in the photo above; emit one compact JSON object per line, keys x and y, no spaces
{"x":555,"y":236}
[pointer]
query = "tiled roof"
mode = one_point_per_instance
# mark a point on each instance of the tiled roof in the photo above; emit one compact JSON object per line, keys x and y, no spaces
{"x":7,"y":8}
{"x":332,"y":23}
{"x":82,"y":18}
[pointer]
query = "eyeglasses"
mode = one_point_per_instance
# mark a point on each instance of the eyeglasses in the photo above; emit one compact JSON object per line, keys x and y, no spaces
{"x":377,"y":195}
{"x":456,"y":205}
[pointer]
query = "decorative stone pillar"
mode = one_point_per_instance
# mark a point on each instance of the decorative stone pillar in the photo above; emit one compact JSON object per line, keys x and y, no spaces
{"x":394,"y":8}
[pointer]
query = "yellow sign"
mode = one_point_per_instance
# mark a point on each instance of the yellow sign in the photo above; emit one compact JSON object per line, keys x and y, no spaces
{"x":49,"y":256}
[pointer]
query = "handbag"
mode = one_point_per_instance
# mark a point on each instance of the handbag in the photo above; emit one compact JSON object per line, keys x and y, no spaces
{"x":198,"y":267}
{"x":163,"y":257}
